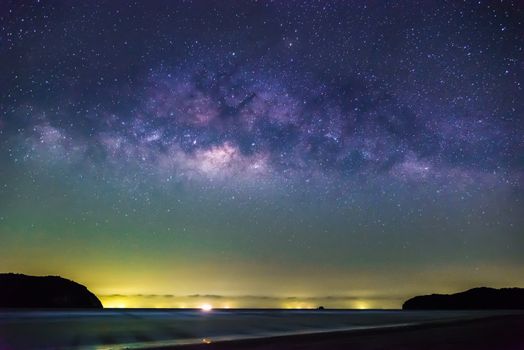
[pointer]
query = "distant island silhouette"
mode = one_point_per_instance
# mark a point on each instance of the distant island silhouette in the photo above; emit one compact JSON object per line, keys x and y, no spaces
{"x":482,"y":298}
{"x":22,"y":291}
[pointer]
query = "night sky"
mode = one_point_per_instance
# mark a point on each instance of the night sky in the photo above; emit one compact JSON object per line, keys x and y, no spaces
{"x":259,"y":154}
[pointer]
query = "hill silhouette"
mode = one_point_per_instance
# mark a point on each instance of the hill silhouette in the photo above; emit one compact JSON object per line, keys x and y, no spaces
{"x":22,"y":291}
{"x":482,"y":298}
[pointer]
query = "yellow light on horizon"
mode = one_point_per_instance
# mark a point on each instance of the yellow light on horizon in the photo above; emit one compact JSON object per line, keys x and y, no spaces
{"x":115,"y":306}
{"x":361,"y":305}
{"x":115,"y":303}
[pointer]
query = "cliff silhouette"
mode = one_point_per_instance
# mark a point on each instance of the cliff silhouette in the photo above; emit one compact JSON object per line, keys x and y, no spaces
{"x":482,"y":298}
{"x":22,"y":291}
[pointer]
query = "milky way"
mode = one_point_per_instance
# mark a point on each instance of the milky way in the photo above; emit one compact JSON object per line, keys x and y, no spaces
{"x":383,"y":129}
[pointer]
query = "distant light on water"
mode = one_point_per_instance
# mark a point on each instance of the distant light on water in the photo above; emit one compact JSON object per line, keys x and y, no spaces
{"x":206,"y":307}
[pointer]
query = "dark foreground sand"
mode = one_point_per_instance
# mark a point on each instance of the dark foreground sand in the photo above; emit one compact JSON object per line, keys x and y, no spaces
{"x":493,"y":333}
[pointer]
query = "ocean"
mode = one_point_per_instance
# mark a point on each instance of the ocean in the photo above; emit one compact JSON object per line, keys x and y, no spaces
{"x":143,"y":328}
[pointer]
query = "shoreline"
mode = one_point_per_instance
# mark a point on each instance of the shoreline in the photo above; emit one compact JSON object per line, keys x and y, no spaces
{"x":485,"y":333}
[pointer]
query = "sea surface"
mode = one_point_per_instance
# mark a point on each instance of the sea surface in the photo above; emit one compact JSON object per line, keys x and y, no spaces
{"x":142,"y":328}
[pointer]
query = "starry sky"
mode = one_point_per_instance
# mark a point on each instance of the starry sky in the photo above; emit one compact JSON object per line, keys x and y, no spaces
{"x":260,"y":153}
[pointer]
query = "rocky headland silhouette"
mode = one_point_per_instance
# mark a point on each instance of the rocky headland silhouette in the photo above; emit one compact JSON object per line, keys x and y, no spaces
{"x":23,"y":291}
{"x":482,"y":298}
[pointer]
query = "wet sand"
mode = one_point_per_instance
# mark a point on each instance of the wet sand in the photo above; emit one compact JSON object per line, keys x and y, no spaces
{"x":491,"y":333}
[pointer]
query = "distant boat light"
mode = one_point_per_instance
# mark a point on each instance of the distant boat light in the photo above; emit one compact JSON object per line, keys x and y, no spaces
{"x":206,"y":307}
